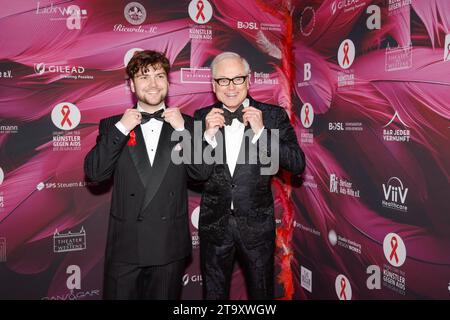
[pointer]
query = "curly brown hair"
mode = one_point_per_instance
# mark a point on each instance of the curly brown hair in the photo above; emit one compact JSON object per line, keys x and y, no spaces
{"x":142,"y":59}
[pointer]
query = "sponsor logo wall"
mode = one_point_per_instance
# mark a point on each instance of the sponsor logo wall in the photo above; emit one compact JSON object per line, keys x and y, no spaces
{"x":366,"y":84}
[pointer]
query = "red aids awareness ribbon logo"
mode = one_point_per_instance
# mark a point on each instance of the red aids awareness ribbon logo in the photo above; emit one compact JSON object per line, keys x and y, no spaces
{"x":343,"y":288}
{"x":200,"y":11}
{"x":343,"y":285}
{"x":307,"y":115}
{"x":200,"y":7}
{"x":394,"y":246}
{"x":394,"y":249}
{"x":65,"y":111}
{"x":346,"y":54}
{"x":346,"y":48}
{"x":66,"y":116}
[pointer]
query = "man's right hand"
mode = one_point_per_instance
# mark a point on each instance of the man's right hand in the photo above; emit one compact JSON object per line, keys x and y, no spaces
{"x":131,"y":118}
{"x":214,"y":121}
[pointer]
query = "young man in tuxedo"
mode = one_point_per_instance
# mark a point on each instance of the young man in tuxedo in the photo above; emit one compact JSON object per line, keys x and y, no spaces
{"x":236,"y":210}
{"x":148,"y":238}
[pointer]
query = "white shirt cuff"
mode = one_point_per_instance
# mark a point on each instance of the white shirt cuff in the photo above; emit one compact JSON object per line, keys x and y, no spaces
{"x":122,"y":128}
{"x":256,"y":136}
{"x":212,"y":142}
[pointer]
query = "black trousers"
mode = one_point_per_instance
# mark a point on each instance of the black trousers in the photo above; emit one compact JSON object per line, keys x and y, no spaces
{"x":217,"y":266}
{"x":124,"y":281}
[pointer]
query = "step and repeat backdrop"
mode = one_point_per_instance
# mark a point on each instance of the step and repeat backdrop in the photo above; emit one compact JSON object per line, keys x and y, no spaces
{"x":366,"y":84}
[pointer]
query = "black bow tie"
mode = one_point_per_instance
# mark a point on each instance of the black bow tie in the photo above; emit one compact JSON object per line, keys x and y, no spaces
{"x":155,"y":115}
{"x":229,"y":116}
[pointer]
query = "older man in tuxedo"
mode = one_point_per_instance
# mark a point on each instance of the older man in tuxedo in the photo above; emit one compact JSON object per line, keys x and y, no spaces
{"x":236,"y":211}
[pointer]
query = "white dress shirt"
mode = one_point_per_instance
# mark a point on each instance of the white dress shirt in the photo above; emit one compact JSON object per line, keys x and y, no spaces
{"x":151,"y":131}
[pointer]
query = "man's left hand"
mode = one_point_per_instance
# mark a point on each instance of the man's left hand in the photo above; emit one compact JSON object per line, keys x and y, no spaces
{"x":174,"y":117}
{"x":254,"y":117}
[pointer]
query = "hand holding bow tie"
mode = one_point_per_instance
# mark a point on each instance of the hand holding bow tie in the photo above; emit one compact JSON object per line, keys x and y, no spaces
{"x":254,"y":117}
{"x":229,"y":116}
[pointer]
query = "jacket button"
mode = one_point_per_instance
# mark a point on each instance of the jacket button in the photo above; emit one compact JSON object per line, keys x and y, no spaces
{"x":171,"y":193}
{"x":233,"y":186}
{"x":132,"y":194}
{"x":163,"y":218}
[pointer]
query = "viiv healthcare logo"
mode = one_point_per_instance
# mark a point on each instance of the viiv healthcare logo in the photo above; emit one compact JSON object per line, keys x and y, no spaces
{"x":447,"y":48}
{"x":2,"y":249}
{"x":135,"y":13}
{"x":394,"y":249}
{"x":306,"y":278}
{"x":346,"y":54}
{"x":395,"y":193}
{"x":343,"y":287}
{"x":307,"y":115}
{"x":200,"y":11}
{"x":72,"y":14}
{"x":66,"y":116}
{"x":66,"y":242}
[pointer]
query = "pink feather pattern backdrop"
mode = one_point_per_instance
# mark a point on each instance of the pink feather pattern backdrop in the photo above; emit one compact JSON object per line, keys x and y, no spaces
{"x":44,"y":192}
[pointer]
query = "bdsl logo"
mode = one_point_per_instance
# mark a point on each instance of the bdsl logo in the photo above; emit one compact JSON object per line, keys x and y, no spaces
{"x":247,"y":25}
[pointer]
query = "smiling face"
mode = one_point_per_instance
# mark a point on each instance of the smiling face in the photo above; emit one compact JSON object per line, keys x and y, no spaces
{"x":232,"y":95}
{"x":150,"y":86}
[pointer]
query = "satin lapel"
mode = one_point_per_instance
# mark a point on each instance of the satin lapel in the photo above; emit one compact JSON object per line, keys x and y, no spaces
{"x":139,"y":156}
{"x":160,"y":163}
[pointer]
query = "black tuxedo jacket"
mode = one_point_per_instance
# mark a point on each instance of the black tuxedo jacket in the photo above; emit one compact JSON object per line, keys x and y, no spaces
{"x":149,"y":211}
{"x":249,"y":190}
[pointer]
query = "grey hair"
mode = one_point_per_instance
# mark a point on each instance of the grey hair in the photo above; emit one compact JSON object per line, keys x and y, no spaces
{"x":228,"y":55}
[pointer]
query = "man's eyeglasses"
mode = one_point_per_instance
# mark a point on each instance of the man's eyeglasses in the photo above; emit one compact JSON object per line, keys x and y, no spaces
{"x":226,"y":81}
